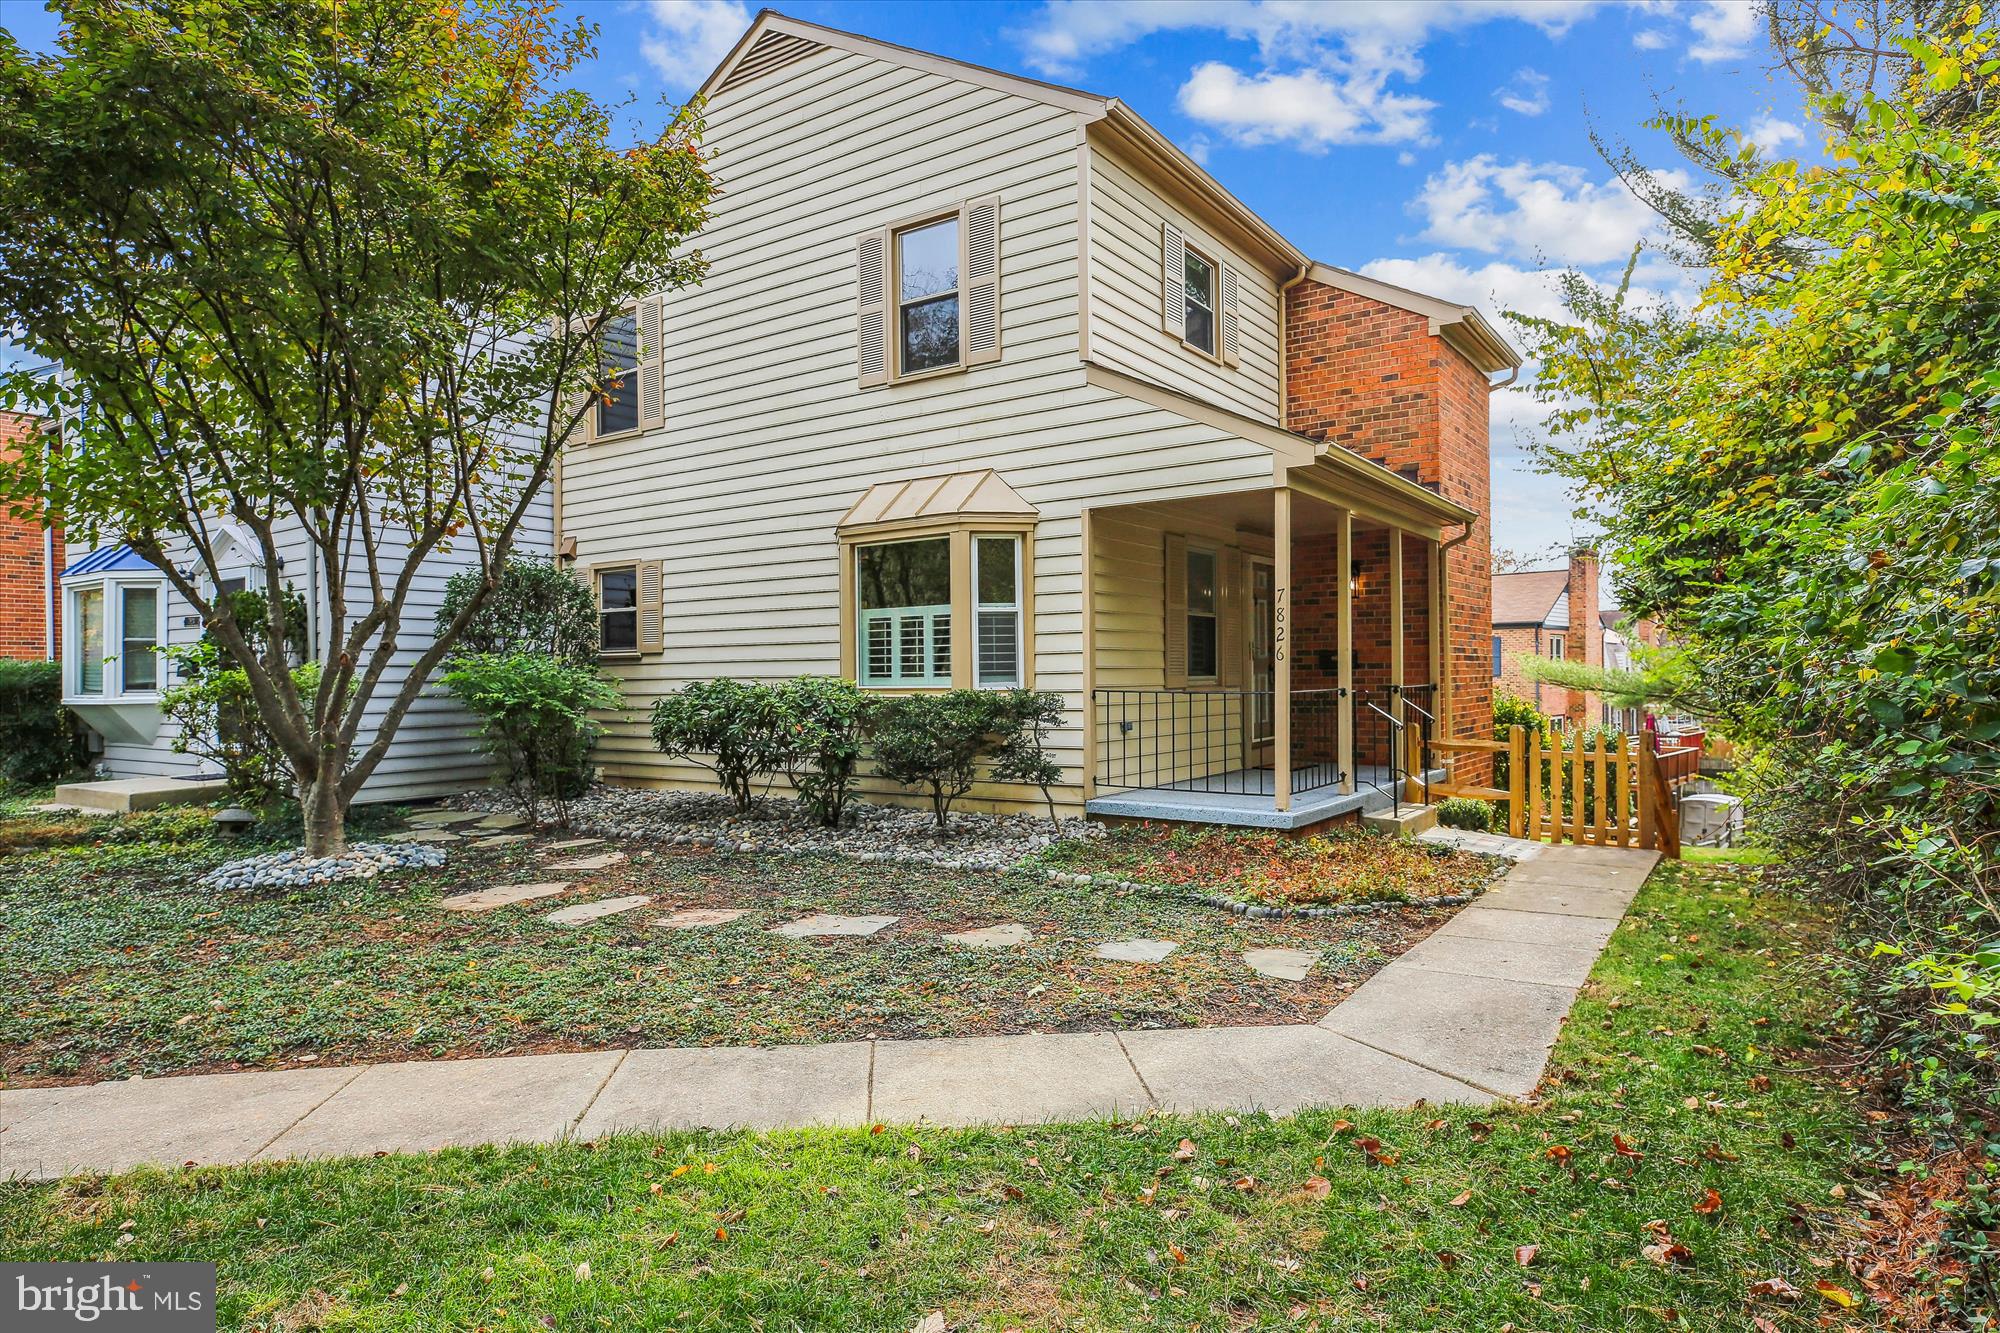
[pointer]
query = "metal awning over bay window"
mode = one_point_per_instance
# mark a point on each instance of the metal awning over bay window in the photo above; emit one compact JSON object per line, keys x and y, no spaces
{"x":935,"y":584}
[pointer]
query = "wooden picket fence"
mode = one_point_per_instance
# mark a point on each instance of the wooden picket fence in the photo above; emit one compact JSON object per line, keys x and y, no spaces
{"x":1618,"y":789}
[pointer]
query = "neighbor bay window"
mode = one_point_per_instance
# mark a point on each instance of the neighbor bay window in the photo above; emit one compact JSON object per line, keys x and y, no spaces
{"x":114,"y":630}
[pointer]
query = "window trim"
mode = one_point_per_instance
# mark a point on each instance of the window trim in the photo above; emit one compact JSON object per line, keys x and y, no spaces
{"x":597,"y":574}
{"x":1556,"y":647}
{"x":1194,"y":547}
{"x":897,"y":304}
{"x":961,"y":529}
{"x":631,"y":309}
{"x":112,"y":588}
{"x":1203,"y":253}
{"x":979,"y":608}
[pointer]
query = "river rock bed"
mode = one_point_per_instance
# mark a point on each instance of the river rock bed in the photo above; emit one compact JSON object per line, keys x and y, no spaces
{"x":782,"y":826}
{"x":295,"y":870}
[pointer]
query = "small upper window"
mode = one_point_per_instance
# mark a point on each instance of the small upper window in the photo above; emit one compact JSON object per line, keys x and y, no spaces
{"x":1201,"y":615}
{"x":1556,"y":647}
{"x":1496,"y":655}
{"x":618,"y":403}
{"x":927,"y":297}
{"x":618,"y":609}
{"x":1199,"y":324}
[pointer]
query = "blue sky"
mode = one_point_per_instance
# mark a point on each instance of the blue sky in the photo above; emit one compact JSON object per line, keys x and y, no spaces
{"x":1441,"y":145}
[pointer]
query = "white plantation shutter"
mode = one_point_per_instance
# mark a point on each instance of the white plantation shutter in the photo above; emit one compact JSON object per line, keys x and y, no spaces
{"x":1176,"y":611}
{"x":871,"y":267}
{"x":979,"y":279}
{"x":652,"y":618}
{"x":652,"y":400}
{"x":1231,"y":350}
{"x":1173,"y":280}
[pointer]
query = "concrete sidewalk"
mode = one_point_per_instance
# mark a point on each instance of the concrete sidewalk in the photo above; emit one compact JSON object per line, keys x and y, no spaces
{"x":1468,"y":1015}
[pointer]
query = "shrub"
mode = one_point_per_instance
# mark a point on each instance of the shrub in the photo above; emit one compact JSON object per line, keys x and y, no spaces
{"x":824,"y":719}
{"x":218,"y":718}
{"x":537,"y":606}
{"x":934,"y":742}
{"x":739,"y":728}
{"x":38,"y":736}
{"x":534,"y":719}
{"x":1024,"y":755}
{"x":1466,"y":812}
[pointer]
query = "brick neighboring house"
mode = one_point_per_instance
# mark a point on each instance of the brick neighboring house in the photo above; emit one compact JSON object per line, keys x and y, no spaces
{"x":1550,"y":613}
{"x":1621,"y":636}
{"x":31,"y":561}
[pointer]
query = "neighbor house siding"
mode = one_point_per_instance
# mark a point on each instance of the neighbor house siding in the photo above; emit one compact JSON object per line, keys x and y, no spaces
{"x":770,"y":439}
{"x":1126,"y":320}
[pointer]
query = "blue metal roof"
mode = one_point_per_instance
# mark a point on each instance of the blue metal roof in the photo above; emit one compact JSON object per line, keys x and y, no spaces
{"x":119,"y":559}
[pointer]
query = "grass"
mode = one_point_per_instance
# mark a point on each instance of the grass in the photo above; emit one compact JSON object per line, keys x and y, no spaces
{"x":113,"y":961}
{"x":1342,"y":866}
{"x":1660,"y":1097}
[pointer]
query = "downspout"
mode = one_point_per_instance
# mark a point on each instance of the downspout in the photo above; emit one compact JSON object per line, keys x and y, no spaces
{"x":1448,"y":711}
{"x":1284,"y":357}
{"x":49,"y":592}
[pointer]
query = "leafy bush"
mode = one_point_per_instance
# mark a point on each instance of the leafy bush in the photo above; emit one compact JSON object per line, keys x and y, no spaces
{"x":1466,"y":812}
{"x":218,"y":718}
{"x":534,"y":719}
{"x":824,"y":719}
{"x":537,"y":606}
{"x":934,"y":743}
{"x":39,"y":740}
{"x":1509,"y":711}
{"x":737,"y":731}
{"x":1024,"y":755}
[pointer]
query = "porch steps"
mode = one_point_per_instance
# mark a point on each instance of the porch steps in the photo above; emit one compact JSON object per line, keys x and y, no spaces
{"x":1406,"y":823}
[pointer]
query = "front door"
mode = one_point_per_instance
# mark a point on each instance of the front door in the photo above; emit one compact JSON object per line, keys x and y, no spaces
{"x":1259,"y":734}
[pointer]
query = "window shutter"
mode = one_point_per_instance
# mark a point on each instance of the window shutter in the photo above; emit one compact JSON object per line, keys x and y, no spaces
{"x":979,"y":279}
{"x":652,"y":366}
{"x":871,"y":267}
{"x":1173,"y":280}
{"x":1231,"y":350}
{"x":579,"y":402}
{"x":1175,"y":639}
{"x":652,"y":626}
{"x":1232,"y":644}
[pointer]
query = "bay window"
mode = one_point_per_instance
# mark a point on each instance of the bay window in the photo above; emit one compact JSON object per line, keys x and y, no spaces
{"x":86,"y":613}
{"x":138,"y":638}
{"x":904,"y":591}
{"x":996,"y":579}
{"x":114,"y":630}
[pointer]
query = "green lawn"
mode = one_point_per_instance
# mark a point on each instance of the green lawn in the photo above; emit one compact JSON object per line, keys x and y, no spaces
{"x":1286,"y":1223}
{"x":113,"y":961}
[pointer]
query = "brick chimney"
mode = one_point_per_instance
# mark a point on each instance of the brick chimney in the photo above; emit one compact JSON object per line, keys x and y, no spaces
{"x":1586,"y":635}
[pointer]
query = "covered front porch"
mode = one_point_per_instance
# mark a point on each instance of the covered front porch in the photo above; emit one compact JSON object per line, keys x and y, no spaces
{"x":1267,"y":658}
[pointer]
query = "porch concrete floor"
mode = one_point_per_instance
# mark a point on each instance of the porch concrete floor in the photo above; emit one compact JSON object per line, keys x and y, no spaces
{"x":124,"y":795}
{"x":1251,"y":804}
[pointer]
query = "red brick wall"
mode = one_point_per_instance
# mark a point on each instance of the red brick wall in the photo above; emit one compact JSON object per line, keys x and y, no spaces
{"x":23,"y":559}
{"x":1372,"y":378}
{"x":1586,"y":640}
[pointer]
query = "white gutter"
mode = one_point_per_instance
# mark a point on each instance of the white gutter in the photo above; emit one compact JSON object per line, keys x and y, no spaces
{"x":49,"y":592}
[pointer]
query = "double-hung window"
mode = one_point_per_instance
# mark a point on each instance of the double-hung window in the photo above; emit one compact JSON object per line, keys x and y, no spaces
{"x":139,"y":637}
{"x":618,"y":609}
{"x":114,"y":632}
{"x":1198,"y":319}
{"x":1555,"y":647}
{"x":904,"y":603}
{"x":86,"y":607}
{"x":618,"y":353}
{"x":927,"y":297}
{"x":996,"y":581}
{"x":1203,"y":606}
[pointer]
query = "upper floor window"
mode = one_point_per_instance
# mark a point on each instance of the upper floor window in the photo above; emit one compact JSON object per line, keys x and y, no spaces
{"x":927,"y":296}
{"x":1198,"y":321}
{"x":618,"y":350}
{"x":1555,"y":647}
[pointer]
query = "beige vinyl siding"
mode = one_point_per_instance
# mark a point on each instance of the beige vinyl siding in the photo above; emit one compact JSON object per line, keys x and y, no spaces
{"x":1126,"y":217}
{"x":769,"y":438}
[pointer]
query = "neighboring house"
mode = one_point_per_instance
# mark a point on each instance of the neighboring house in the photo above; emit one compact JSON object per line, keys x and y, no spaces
{"x":1549,"y":613}
{"x":31,"y":554}
{"x":1620,"y":638}
{"x":119,"y":613}
{"x":990,"y":385}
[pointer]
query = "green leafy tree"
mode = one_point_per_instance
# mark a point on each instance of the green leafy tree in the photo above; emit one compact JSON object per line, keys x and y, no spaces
{"x":935,"y":743}
{"x":334,"y":266}
{"x":534,"y":605}
{"x":1032,"y":716}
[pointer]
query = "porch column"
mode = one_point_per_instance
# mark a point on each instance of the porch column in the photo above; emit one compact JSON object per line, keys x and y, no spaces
{"x":1343,"y":564}
{"x":1281,"y":645}
{"x":1396,"y":611}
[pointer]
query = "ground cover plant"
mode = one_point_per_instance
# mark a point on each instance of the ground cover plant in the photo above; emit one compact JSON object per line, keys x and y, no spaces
{"x":113,"y":962}
{"x":1682,"y":1170}
{"x":1342,"y":866}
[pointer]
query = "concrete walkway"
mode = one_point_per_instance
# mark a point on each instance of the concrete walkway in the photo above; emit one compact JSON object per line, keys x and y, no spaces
{"x":1469,"y":1015}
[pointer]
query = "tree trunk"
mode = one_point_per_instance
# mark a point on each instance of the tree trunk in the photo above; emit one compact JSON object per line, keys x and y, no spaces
{"x":325,"y":817}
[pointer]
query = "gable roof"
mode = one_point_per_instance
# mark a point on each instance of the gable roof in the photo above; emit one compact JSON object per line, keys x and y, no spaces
{"x":1527,"y":597}
{"x":1460,"y":325}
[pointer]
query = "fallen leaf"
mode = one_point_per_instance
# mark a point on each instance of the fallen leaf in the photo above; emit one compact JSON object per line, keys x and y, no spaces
{"x":986,"y":1228}
{"x":1342,"y":1126}
{"x":1668,"y":1252}
{"x":1774,"y":1286}
{"x":1318,"y":1187}
{"x":1176,"y":1253}
{"x":930,"y":1323}
{"x":1709,"y":1202}
{"x":1244,"y":1184}
{"x":1186,"y":1151}
{"x":1462,"y":1199}
{"x":1479,"y":1130}
{"x":1762,"y":1325}
{"x":1559,"y":1154}
{"x":1447,"y":1260}
{"x":1622,"y":1148}
{"x":583,"y":1271}
{"x":914,"y":1153}
{"x":721,"y":1234}
{"x":1524,"y":1255}
{"x":1361,"y":1284}
{"x":1836,"y":1293}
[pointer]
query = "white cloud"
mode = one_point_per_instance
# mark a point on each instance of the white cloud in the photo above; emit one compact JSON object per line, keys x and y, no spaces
{"x":1651,"y":39}
{"x":1533,"y":211}
{"x":1526,"y":93}
{"x":1723,"y":30}
{"x":1309,"y":108}
{"x":686,"y":39}
{"x":1771,"y":134}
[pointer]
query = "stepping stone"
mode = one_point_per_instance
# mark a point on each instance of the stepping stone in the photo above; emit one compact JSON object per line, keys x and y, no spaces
{"x":434,"y":818}
{"x":573,"y":842}
{"x":1135,"y":951}
{"x":598,"y":862}
{"x":485,"y":900}
{"x":424,"y":835}
{"x":586,"y":912}
{"x":1003,"y":936}
{"x":500,"y":840}
{"x":501,"y":820}
{"x":828,"y":923}
{"x":697,"y":917}
{"x":1284,"y":964}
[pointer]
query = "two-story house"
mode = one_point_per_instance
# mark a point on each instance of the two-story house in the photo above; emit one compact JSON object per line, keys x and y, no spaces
{"x":990,"y":385}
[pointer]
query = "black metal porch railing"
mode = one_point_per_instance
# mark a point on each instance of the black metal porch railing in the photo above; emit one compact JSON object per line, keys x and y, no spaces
{"x":1393,"y":730}
{"x":1214,"y":741}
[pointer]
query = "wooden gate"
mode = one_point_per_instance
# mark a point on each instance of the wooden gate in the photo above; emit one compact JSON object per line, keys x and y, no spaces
{"x":1613,"y":793}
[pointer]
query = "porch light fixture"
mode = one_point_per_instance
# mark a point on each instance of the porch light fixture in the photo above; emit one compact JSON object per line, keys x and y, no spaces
{"x":1354,"y":577}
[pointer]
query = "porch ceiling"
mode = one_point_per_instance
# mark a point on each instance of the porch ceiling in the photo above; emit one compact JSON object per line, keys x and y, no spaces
{"x":1250,"y":511}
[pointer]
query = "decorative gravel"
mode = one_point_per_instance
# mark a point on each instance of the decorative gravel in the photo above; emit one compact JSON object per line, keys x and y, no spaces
{"x":295,"y":870}
{"x":782,"y":827}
